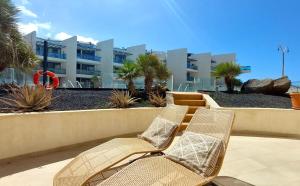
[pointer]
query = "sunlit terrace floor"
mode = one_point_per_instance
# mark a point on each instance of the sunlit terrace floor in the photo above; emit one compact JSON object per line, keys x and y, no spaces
{"x":260,"y":161}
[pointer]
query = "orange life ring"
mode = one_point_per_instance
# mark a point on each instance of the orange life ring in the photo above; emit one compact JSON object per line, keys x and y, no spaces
{"x":55,"y":79}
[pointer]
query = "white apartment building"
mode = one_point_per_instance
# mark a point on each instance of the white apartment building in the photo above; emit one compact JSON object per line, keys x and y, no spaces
{"x":194,"y":71}
{"x":77,"y":63}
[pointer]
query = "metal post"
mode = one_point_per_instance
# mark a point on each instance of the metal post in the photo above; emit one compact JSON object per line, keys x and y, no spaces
{"x":45,"y":62}
{"x":283,"y":64}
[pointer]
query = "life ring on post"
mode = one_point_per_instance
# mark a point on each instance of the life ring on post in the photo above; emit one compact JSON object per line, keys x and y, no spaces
{"x":54,"y":78}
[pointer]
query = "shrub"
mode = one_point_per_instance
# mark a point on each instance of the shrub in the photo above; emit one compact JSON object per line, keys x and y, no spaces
{"x":157,"y":100}
{"x":26,"y":98}
{"x":122,"y":99}
{"x":229,"y":71}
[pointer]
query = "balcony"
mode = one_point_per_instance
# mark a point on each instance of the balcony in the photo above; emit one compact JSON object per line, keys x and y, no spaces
{"x":57,"y":70}
{"x":119,"y":61}
{"x":88,"y":72}
{"x":191,"y":66}
{"x":190,"y":78}
{"x":89,"y":57}
{"x":51,"y":54}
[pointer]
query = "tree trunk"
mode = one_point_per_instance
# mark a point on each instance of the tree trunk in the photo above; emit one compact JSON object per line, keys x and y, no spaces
{"x":2,"y":67}
{"x":131,"y":87}
{"x":148,"y":85}
{"x":229,"y":84}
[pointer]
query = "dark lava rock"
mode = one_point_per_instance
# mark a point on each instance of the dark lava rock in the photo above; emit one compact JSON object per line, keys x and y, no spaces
{"x":251,"y":100}
{"x":258,"y":86}
{"x":267,"y":86}
{"x":281,"y":85}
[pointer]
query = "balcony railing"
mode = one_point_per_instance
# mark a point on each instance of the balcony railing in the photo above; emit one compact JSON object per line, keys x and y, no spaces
{"x":89,"y":57}
{"x":88,"y":72}
{"x":119,"y":61}
{"x":189,"y":78}
{"x":57,"y":70}
{"x":51,"y":54}
{"x":191,"y":66}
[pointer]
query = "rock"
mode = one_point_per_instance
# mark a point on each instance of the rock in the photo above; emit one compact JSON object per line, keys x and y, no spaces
{"x":281,"y":85}
{"x":267,"y":86}
{"x":258,"y":86}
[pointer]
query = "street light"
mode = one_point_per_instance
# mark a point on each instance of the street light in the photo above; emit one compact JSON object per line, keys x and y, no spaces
{"x":283,"y":50}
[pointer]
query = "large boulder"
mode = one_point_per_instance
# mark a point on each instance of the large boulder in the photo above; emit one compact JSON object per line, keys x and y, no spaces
{"x":258,"y":86}
{"x":281,"y":85}
{"x":267,"y":86}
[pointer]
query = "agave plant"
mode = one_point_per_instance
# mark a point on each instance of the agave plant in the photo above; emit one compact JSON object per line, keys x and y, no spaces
{"x":157,"y":100}
{"x":122,"y":99}
{"x":28,"y":98}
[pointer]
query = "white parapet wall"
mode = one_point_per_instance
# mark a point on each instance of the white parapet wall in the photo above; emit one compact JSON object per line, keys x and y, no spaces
{"x":27,"y":133}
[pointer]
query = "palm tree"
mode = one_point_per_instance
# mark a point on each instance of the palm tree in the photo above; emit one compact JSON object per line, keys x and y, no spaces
{"x":128,"y":72}
{"x":148,"y":65}
{"x":162,"y":75}
{"x":14,"y":51}
{"x":229,"y":71}
{"x":96,"y":81}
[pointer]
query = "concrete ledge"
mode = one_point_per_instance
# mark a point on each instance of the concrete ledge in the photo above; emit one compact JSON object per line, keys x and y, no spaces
{"x":28,"y":133}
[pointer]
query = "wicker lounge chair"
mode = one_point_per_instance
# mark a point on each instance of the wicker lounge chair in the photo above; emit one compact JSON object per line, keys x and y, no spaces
{"x":160,"y":170}
{"x":90,"y":163}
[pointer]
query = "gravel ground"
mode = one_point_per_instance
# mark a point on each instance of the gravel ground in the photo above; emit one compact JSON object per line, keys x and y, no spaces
{"x":250,"y":100}
{"x":80,"y":100}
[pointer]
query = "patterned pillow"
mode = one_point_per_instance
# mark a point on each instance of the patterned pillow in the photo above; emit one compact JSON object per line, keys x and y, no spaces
{"x":159,"y":132}
{"x":199,"y":152}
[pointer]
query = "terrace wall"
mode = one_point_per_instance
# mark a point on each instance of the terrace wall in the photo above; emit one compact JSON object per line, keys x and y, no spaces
{"x":35,"y":132}
{"x":23,"y":134}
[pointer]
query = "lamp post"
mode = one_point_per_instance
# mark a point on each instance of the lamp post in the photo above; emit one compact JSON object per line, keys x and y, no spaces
{"x":45,"y":62}
{"x":284,"y":50}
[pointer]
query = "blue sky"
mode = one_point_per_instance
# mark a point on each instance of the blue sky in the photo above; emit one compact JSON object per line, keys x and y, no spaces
{"x":252,"y":29}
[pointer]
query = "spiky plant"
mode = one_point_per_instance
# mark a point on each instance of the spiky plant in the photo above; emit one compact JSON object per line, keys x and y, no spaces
{"x":229,"y":71}
{"x":14,"y":51}
{"x":128,"y":72}
{"x":122,"y":99}
{"x":26,"y":98}
{"x":148,"y":65}
{"x":157,"y":100}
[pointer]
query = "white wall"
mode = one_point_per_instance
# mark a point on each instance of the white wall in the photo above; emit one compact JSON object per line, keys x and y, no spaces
{"x":31,"y":40}
{"x":135,"y":51}
{"x":221,"y":58}
{"x":106,"y":54}
{"x":176,"y":62}
{"x":71,"y":52}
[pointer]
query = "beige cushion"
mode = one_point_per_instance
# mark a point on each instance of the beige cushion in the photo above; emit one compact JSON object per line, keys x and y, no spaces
{"x":159,"y":132}
{"x":199,"y":152}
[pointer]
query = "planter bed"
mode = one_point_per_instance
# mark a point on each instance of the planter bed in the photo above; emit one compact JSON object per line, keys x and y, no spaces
{"x":251,"y":100}
{"x":66,"y":99}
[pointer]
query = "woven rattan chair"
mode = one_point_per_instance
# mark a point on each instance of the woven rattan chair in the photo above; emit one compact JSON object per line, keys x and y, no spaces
{"x":93,"y":162}
{"x":159,"y":170}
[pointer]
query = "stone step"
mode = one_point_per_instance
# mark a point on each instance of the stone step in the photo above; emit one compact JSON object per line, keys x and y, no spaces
{"x":187,"y":118}
{"x":187,"y":96}
{"x":190,"y":102}
{"x":192,"y":109}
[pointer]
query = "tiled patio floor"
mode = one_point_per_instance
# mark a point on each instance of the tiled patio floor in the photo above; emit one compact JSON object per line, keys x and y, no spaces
{"x":260,"y":161}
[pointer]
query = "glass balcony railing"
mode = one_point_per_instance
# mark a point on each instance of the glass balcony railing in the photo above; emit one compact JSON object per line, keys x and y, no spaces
{"x":189,"y":78}
{"x":119,"y":61}
{"x":191,"y":66}
{"x":88,"y":72}
{"x":57,"y":70}
{"x":89,"y":57}
{"x":51,"y":54}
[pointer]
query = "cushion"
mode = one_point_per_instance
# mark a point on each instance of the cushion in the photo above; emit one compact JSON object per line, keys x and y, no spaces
{"x":198,"y":152}
{"x":159,"y":132}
